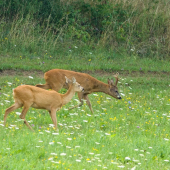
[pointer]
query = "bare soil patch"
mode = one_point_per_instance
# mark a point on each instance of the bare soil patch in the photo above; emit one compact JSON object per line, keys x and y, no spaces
{"x":97,"y":72}
{"x":131,"y":73}
{"x":21,"y":73}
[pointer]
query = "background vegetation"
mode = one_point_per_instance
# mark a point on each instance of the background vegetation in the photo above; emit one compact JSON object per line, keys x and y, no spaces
{"x":133,"y":28}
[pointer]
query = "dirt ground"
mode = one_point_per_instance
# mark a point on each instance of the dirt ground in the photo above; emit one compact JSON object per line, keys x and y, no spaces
{"x":97,"y":72}
{"x":21,"y":73}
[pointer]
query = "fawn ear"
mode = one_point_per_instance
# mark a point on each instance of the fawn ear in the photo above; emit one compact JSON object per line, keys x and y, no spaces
{"x":67,"y":80}
{"x":74,"y":80}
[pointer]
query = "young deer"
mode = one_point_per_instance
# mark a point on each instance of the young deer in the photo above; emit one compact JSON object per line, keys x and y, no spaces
{"x":31,"y":96}
{"x":55,"y":80}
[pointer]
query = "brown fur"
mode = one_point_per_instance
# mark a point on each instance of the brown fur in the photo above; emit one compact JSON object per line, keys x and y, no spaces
{"x":55,"y":80}
{"x":27,"y":96}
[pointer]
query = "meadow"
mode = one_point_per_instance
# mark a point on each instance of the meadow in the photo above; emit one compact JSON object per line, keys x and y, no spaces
{"x":100,"y":38}
{"x":132,"y":133}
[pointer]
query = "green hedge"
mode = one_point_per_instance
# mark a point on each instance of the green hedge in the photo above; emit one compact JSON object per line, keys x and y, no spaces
{"x":139,"y":28}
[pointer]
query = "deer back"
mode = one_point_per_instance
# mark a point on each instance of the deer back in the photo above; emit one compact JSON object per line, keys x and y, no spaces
{"x":56,"y":79}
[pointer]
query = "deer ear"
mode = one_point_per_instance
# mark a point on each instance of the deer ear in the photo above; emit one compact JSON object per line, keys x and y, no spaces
{"x":110,"y":82}
{"x":74,"y":80}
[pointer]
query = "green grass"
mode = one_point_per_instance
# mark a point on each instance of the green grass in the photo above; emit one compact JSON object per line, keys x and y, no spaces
{"x":128,"y":133}
{"x":132,"y":132}
{"x":104,"y":61}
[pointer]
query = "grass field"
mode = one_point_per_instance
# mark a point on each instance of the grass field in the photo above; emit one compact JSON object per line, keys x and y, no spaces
{"x":99,"y":38}
{"x":132,"y":133}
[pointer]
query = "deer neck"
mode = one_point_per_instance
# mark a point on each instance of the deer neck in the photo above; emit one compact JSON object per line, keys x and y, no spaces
{"x":101,"y":87}
{"x":68,"y":95}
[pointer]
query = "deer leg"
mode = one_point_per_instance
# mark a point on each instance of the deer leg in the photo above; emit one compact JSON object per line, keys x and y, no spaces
{"x":23,"y":114}
{"x":80,"y":96}
{"x":10,"y":109}
{"x":53,"y":117}
{"x":88,"y":102}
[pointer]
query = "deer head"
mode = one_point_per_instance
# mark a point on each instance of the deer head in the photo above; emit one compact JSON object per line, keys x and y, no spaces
{"x":113,"y":87}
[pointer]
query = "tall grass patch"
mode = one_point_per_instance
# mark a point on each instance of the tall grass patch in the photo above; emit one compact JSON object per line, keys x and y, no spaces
{"x":133,"y":27}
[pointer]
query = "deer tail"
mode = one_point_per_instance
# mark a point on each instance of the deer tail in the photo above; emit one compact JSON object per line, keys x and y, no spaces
{"x":43,"y":86}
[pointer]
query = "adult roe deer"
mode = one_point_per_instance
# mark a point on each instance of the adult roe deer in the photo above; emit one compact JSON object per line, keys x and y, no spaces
{"x":55,"y":80}
{"x":31,"y":96}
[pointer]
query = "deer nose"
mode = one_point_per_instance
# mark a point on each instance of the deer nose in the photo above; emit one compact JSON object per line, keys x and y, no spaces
{"x":119,"y":97}
{"x":82,"y":89}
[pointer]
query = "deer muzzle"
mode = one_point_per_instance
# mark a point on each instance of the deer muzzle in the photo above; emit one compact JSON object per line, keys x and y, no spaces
{"x":119,"y":97}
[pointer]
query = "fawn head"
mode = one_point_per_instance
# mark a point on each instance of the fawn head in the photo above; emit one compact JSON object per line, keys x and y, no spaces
{"x":77,"y":87}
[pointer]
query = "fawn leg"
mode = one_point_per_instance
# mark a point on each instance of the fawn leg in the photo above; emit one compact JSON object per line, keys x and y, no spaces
{"x":23,"y":114}
{"x":53,"y":117}
{"x":10,"y":109}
